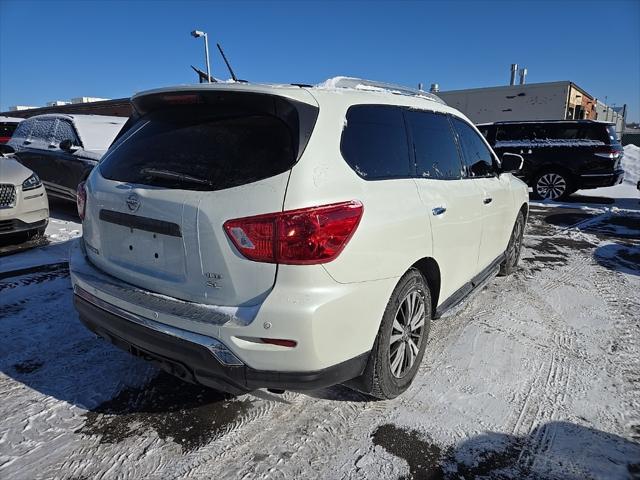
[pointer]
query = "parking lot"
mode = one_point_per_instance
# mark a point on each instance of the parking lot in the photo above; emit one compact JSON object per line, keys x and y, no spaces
{"x":537,"y":374}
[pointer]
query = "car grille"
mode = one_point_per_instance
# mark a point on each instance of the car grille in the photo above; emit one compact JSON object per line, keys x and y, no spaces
{"x":7,"y":225}
{"x":7,"y":196}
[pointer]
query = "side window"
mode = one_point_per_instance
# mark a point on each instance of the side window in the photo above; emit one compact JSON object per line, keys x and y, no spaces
{"x":484,"y":131}
{"x":513,"y":133}
{"x":541,"y":133}
{"x":478,"y":158}
{"x":374,"y":142}
{"x":65,"y":131}
{"x":434,"y":146}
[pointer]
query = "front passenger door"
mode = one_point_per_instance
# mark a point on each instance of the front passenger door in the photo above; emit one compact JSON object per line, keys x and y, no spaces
{"x":452,"y":204}
{"x":71,"y":167}
{"x":497,"y":204}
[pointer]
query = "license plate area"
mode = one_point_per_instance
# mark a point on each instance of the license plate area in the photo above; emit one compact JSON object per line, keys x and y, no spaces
{"x":144,"y":251}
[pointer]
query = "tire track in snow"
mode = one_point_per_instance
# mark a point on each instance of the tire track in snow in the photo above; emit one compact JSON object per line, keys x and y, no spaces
{"x":625,"y":348}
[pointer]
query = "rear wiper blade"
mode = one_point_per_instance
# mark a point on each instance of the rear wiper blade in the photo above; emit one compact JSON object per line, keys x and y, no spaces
{"x":170,"y":175}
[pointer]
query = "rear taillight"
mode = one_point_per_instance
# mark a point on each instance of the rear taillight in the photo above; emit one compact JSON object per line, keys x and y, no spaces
{"x":297,"y":237}
{"x":81,"y":200}
{"x":609,"y":152}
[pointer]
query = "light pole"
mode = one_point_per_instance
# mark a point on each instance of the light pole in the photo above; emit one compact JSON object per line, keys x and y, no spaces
{"x":197,"y":34}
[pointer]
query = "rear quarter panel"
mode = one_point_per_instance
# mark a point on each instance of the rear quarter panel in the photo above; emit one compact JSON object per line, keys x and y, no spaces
{"x":394,"y":231}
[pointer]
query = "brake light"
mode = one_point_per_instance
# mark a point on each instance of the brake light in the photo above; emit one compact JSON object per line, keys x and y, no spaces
{"x":81,"y":199}
{"x":296,"y":237}
{"x":186,"y":99}
{"x":612,"y":153}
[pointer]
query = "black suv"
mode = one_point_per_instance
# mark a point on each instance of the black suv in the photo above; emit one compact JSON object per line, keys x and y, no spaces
{"x":560,"y":156}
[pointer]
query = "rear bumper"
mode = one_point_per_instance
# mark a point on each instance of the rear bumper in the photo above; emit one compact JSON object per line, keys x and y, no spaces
{"x":194,"y":357}
{"x":334,"y":326}
{"x":595,"y":180}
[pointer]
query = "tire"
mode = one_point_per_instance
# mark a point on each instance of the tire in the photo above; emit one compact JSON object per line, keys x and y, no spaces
{"x":389,"y":372}
{"x":552,"y":185}
{"x":514,"y":248}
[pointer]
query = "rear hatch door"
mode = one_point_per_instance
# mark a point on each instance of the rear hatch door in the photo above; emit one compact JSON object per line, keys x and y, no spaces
{"x":192,"y":160}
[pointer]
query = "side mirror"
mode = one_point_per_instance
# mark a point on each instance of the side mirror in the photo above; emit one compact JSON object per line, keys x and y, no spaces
{"x":68,"y":146}
{"x":4,"y":148}
{"x":511,"y":162}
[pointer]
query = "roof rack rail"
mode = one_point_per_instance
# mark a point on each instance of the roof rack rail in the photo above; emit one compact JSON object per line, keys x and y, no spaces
{"x":372,"y":85}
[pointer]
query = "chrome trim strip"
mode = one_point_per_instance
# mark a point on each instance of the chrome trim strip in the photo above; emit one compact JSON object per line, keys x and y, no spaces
{"x":598,"y":175}
{"x":84,"y":270}
{"x":218,"y":349}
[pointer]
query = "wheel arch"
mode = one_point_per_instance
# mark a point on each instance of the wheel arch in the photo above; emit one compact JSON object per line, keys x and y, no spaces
{"x":552,"y":167}
{"x":430,"y":270}
{"x":524,"y":208}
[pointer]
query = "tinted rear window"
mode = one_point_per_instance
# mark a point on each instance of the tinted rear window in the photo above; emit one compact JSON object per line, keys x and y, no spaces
{"x":222,"y":151}
{"x":538,"y":132}
{"x":374,"y":142}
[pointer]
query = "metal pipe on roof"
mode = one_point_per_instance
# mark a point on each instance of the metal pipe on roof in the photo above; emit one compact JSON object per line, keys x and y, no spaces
{"x":514,"y":70}
{"x":523,"y":76}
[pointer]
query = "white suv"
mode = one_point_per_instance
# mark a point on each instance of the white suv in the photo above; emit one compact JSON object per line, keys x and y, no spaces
{"x":291,"y":237}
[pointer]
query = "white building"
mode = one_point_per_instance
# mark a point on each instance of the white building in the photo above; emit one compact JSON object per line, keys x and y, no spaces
{"x":562,"y":100}
{"x":17,"y":108}
{"x":88,"y":99}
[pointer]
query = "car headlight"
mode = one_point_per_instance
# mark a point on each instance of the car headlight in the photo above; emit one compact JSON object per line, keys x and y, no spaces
{"x":32,"y":182}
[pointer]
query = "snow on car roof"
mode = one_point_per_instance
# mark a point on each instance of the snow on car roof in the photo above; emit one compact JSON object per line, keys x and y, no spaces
{"x":509,"y":122}
{"x":361,"y":84}
{"x":97,"y":131}
{"x":4,"y":119}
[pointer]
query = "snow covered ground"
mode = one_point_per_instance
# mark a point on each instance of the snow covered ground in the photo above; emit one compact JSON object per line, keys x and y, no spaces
{"x":63,"y":226}
{"x":535,"y":377}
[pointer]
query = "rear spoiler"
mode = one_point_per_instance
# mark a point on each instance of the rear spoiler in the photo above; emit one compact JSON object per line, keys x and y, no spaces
{"x":299,"y":116}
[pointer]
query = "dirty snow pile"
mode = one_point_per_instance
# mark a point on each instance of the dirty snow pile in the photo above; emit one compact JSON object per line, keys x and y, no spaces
{"x":631,"y":164}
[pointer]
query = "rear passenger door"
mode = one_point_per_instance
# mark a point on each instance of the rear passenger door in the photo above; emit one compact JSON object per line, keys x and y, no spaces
{"x":481,"y":169}
{"x":452,"y":204}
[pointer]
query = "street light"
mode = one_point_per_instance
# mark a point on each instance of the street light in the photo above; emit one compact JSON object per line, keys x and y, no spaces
{"x":198,"y":34}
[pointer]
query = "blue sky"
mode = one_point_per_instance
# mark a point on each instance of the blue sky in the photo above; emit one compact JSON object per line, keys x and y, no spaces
{"x":53,"y":50}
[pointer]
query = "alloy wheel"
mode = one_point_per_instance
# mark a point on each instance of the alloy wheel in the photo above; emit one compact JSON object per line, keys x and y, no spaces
{"x":551,"y":185}
{"x":406,"y":333}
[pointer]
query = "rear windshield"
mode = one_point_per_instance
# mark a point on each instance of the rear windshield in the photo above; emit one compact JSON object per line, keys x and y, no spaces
{"x":194,"y":148}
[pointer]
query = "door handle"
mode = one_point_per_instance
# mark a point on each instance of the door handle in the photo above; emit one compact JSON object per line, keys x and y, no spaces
{"x":487,"y":200}
{"x":438,"y":211}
